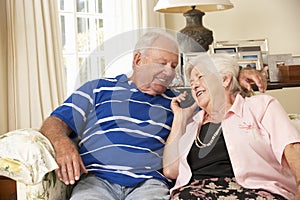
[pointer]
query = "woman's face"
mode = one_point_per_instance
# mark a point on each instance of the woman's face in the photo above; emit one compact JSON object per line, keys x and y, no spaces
{"x":208,"y":91}
{"x":200,"y":90}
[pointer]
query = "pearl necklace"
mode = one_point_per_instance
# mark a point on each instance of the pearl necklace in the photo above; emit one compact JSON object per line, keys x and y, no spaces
{"x":202,"y":145}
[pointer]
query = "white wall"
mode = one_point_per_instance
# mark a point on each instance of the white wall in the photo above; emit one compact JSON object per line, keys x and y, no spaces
{"x":276,"y":20}
{"x":288,"y":97}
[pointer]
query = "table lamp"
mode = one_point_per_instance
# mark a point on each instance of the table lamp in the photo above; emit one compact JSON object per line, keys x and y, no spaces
{"x":194,"y":37}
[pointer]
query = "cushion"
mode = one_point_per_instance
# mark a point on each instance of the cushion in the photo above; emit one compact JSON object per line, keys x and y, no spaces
{"x":26,"y":156}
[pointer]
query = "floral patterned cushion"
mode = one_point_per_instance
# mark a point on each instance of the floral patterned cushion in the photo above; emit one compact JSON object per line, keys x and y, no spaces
{"x":26,"y":156}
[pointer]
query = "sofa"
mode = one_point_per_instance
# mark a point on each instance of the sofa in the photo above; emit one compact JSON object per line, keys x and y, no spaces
{"x":27,"y":157}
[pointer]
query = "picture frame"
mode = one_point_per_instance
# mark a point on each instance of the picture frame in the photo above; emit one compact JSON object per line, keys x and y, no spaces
{"x":225,"y":50}
{"x":250,"y":48}
{"x":232,"y":51}
{"x":295,"y":61}
{"x":249,"y":63}
{"x":243,"y":45}
{"x":186,"y":58}
{"x":251,"y":45}
{"x":180,"y":78}
{"x":273,"y":61}
{"x":253,"y":58}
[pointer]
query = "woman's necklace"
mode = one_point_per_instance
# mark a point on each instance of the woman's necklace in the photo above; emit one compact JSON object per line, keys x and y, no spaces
{"x":202,"y":145}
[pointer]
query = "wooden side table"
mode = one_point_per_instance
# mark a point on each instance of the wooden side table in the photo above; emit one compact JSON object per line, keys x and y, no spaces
{"x":8,"y":189}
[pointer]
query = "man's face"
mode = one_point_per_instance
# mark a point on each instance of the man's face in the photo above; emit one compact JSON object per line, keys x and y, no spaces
{"x":155,"y":69}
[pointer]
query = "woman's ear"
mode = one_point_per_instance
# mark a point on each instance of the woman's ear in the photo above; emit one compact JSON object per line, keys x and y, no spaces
{"x":227,"y":80}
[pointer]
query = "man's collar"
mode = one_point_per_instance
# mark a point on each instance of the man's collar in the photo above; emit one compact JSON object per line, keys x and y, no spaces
{"x":122,"y":78}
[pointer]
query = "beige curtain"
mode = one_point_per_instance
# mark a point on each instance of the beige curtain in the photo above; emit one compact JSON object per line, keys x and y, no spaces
{"x":147,"y":17}
{"x":3,"y":69}
{"x":122,"y":16}
{"x":34,"y":62}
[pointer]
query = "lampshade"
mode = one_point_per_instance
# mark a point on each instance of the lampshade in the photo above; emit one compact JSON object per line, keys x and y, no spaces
{"x":194,"y":37}
{"x":182,"y":6}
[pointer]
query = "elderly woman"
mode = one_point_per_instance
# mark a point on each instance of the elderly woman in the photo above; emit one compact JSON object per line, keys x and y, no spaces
{"x":236,"y":147}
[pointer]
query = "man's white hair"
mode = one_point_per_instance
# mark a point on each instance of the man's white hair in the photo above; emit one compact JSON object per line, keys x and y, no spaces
{"x":146,"y":41}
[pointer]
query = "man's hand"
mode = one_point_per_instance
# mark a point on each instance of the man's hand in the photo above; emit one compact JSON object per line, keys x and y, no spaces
{"x":69,"y":161}
{"x":248,"y":76}
{"x":67,"y":156}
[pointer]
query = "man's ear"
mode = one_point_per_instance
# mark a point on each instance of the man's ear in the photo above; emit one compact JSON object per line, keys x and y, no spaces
{"x":227,"y":80}
{"x":137,"y":59}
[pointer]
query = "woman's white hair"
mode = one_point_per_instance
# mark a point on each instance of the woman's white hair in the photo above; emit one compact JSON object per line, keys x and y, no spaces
{"x":224,"y":64}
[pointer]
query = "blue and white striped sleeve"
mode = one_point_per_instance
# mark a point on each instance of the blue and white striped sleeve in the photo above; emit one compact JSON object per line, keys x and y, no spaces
{"x":74,"y":111}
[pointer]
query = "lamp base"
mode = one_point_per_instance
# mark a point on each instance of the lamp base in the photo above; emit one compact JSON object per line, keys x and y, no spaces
{"x":194,"y":37}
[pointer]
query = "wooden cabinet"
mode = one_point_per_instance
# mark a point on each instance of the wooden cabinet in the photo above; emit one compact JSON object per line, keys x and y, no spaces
{"x":8,"y":189}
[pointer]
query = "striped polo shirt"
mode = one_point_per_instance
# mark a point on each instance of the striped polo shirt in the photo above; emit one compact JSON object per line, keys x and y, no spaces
{"x":121,"y":130}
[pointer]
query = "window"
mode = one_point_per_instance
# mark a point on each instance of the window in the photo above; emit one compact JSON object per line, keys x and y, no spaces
{"x":98,"y":36}
{"x":81,"y":24}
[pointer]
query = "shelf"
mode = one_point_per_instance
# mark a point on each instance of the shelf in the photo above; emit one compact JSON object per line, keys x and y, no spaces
{"x":278,"y":85}
{"x":270,"y":86}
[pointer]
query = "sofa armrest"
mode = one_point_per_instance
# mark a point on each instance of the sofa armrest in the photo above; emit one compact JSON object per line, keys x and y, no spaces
{"x":28,"y":157}
{"x":50,"y":188}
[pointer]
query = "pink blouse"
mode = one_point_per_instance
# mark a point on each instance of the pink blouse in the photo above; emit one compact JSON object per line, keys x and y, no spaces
{"x":256,"y":131}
